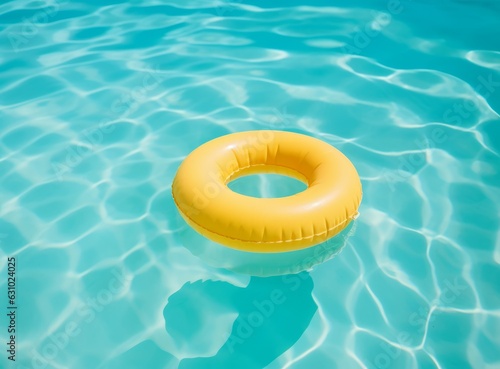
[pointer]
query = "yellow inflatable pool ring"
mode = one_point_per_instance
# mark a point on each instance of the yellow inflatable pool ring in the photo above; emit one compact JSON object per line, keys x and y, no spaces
{"x":247,"y":223}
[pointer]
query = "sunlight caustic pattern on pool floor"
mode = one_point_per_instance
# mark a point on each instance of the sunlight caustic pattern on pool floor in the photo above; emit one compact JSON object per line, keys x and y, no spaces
{"x":101,"y":101}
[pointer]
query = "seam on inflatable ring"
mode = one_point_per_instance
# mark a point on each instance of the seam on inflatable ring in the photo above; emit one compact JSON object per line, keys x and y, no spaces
{"x":279,"y":241}
{"x":264,"y":165}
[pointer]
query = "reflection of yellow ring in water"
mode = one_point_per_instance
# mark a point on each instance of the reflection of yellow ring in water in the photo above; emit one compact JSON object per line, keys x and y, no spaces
{"x":246,"y":223}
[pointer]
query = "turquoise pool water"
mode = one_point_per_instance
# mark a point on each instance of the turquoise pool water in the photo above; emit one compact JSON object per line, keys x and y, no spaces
{"x":100,"y":101}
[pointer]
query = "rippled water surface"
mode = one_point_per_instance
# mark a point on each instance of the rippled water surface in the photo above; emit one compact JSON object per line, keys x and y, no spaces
{"x":100,"y":101}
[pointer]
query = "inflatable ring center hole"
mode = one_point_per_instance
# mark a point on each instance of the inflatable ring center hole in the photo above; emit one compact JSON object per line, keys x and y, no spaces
{"x":267,"y":185}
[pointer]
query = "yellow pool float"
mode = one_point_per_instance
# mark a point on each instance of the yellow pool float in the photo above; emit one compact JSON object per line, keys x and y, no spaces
{"x":246,"y":223}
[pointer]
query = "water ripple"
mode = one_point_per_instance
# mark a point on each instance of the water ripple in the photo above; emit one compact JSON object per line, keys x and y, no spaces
{"x":101,"y":101}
